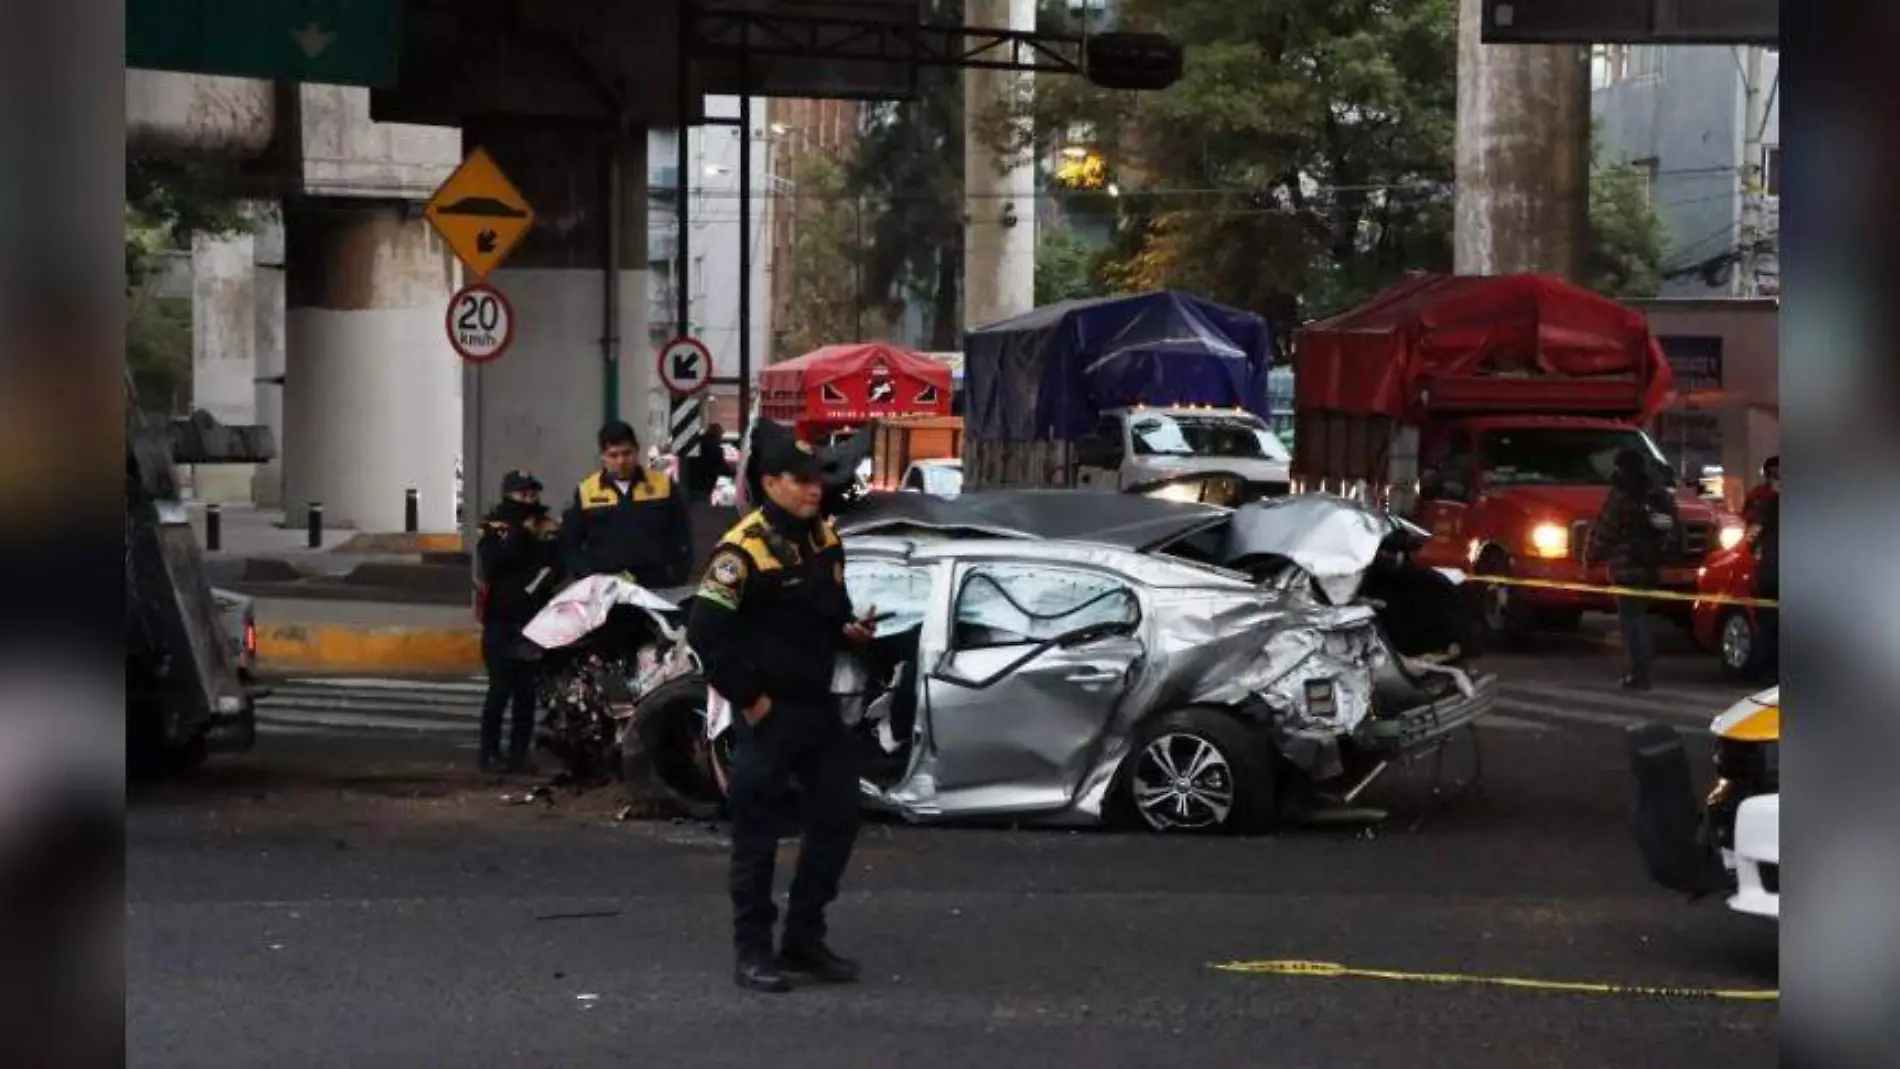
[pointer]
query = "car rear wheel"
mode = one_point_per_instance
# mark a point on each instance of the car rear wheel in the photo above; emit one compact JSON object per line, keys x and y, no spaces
{"x":1739,"y":645}
{"x":1197,"y":771}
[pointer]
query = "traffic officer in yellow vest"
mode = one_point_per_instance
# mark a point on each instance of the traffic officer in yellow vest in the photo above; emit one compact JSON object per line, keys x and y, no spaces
{"x":626,"y":518}
{"x":768,"y":621}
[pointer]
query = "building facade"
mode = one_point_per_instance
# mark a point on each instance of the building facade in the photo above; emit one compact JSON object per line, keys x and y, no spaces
{"x":715,"y":240}
{"x":1677,"y":113}
{"x":802,"y":130}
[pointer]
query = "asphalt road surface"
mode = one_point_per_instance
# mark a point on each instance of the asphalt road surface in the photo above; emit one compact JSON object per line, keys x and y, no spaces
{"x":350,"y":894}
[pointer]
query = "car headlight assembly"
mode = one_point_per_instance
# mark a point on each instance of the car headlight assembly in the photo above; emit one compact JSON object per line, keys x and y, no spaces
{"x":1550,"y":541}
{"x":1731,"y":535}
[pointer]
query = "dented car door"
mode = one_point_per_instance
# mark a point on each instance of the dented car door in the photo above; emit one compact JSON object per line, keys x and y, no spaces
{"x":1035,"y":662}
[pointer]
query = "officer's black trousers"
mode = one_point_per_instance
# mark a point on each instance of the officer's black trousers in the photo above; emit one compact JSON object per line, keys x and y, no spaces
{"x":807,"y":742}
{"x":510,"y":683}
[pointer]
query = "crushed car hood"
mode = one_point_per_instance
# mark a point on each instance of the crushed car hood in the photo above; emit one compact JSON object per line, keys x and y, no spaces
{"x":1127,"y":521}
{"x":1330,"y":538}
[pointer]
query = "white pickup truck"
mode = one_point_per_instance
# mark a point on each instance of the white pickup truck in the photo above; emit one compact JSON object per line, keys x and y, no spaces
{"x":1157,"y":450}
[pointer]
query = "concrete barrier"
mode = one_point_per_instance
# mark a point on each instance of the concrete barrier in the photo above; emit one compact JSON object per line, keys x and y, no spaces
{"x":346,"y":648}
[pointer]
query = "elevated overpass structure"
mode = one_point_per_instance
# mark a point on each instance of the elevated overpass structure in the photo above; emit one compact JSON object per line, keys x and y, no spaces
{"x":350,"y":116}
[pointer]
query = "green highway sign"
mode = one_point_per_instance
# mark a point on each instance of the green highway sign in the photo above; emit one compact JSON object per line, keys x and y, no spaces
{"x":332,"y":42}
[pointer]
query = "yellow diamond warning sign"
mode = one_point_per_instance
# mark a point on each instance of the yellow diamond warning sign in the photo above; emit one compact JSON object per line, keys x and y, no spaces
{"x":480,"y":214}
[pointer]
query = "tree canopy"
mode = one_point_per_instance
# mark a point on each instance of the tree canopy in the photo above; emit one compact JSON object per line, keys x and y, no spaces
{"x":822,"y":305}
{"x":1304,"y":160}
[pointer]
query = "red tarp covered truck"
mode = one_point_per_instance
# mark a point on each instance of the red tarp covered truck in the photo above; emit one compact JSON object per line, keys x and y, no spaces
{"x":1490,"y":409}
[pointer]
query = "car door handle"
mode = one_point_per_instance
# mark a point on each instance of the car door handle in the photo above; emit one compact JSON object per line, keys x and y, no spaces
{"x":1087,"y":676}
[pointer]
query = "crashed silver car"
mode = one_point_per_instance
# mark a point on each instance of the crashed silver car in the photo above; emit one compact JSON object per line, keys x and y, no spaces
{"x":1075,"y":658}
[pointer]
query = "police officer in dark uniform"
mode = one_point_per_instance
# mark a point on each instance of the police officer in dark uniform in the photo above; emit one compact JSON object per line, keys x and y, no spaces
{"x":519,"y":562}
{"x":769,"y":619}
{"x":626,"y":518}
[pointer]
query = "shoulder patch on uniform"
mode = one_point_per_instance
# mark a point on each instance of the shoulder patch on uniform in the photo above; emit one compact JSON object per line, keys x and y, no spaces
{"x":724,"y":582}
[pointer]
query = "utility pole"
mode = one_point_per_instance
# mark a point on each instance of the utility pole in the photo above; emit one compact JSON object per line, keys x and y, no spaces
{"x":999,"y":193}
{"x":1523,"y":155}
{"x":1754,"y":172}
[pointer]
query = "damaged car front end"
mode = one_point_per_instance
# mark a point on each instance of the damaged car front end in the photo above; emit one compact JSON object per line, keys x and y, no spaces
{"x":1183,"y":668}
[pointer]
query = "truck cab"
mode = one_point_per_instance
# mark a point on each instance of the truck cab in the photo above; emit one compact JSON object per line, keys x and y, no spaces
{"x":1161,"y":450}
{"x":1515,"y":497}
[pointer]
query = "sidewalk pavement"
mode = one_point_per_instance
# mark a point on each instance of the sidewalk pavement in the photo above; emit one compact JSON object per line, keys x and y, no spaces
{"x":314,"y":638}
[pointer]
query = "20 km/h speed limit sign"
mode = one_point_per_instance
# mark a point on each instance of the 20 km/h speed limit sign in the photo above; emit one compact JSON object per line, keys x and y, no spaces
{"x":481,"y":323}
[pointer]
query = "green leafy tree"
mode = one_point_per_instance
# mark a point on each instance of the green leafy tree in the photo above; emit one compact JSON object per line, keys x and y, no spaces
{"x":1306,"y":151}
{"x":907,"y":174}
{"x":822,"y":306}
{"x":167,"y":202}
{"x":1627,"y":238}
{"x":1305,"y":159}
{"x":1066,"y":267}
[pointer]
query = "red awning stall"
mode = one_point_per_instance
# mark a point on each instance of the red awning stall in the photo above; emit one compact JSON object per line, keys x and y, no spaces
{"x":842,"y":386}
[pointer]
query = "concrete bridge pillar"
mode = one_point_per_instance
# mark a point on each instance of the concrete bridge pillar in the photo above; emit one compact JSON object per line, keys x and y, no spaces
{"x":540,"y":405}
{"x":371,"y":405}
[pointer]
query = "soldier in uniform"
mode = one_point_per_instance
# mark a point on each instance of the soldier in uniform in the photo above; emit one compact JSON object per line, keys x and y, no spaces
{"x":626,"y":518}
{"x":768,"y":621}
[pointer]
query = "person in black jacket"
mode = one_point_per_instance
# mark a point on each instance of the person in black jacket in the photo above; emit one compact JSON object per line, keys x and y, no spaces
{"x":519,"y":564}
{"x":1631,"y":534}
{"x":768,"y":621}
{"x":627,"y":519}
{"x":706,"y":466}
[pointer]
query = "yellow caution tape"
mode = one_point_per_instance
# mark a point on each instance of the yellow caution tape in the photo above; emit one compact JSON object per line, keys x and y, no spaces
{"x":1623,"y":591}
{"x":1331,"y":970}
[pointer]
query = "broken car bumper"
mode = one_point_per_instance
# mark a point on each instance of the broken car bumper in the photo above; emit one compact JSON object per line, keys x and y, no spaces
{"x":1392,"y":736}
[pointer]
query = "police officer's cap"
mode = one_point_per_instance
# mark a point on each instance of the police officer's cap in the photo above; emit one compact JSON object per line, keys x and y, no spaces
{"x":516,"y":481}
{"x":781,"y":453}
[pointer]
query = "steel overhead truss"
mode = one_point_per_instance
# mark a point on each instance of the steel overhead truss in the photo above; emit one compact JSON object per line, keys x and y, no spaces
{"x":732,"y":34}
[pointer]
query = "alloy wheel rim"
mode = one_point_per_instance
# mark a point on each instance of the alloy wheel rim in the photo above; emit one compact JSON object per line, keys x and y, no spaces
{"x":1183,"y":782}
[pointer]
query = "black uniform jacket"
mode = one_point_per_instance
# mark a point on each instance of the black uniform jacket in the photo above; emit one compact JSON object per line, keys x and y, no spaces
{"x":645,"y":532}
{"x":770,"y":613}
{"x":520,"y":567}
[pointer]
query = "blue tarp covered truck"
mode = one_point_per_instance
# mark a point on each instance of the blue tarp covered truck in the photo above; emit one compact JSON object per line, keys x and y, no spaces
{"x":1157,"y":392}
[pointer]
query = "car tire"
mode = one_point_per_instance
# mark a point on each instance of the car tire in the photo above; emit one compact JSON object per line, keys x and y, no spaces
{"x":1506,"y":618}
{"x":1245,"y":774}
{"x":1566,"y":621}
{"x":666,"y":761}
{"x":1738,"y":645}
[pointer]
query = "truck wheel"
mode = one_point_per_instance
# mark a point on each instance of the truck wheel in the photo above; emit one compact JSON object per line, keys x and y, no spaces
{"x":1504,"y":614}
{"x":1739,"y":644}
{"x":1195,"y":771}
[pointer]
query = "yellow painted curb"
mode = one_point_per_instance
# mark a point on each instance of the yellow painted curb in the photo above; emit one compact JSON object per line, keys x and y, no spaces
{"x":402,"y":544}
{"x":323,"y":648}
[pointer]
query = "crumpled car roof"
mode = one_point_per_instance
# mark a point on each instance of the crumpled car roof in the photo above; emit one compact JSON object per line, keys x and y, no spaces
{"x":1129,"y":521}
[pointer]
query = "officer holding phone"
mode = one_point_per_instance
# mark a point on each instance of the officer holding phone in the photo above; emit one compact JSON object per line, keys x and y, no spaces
{"x":768,"y":621}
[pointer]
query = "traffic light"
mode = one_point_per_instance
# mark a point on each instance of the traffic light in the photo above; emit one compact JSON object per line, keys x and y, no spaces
{"x":1140,"y":61}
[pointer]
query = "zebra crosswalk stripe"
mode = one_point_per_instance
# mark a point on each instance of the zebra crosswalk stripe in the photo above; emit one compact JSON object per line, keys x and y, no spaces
{"x":429,"y":708}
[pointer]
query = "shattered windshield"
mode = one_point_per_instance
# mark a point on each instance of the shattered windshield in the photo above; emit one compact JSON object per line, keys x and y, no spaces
{"x":1563,"y":456}
{"x":1211,"y":435}
{"x":888,"y":586}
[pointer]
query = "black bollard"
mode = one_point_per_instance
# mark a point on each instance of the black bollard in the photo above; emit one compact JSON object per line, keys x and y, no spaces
{"x":411,"y":511}
{"x":214,"y":527}
{"x":315,"y":517}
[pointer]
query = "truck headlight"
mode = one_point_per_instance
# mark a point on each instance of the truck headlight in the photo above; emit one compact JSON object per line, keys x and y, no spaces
{"x":1550,"y":541}
{"x":1188,"y":492}
{"x":1731,"y":535}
